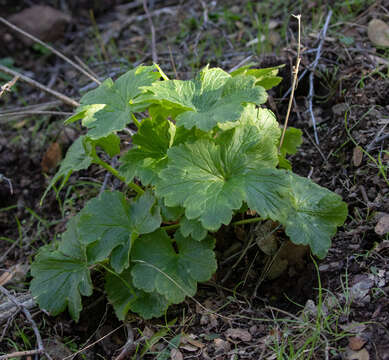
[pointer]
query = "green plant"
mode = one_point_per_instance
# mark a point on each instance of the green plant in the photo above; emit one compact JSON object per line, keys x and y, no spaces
{"x":206,"y":152}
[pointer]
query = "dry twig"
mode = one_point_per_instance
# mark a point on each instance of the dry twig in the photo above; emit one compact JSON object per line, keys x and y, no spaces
{"x":7,"y":86}
{"x":40,"y":86}
{"x":152,"y":29}
{"x":311,"y":93}
{"x":295,"y":73}
{"x":41,"y":349}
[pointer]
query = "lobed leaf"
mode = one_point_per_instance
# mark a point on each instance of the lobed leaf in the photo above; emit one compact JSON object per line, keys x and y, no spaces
{"x":158,"y":267}
{"x":61,"y":276}
{"x":212,"y":97}
{"x":109,"y":108}
{"x":266,"y":77}
{"x":149,"y":156}
{"x":124,"y":297}
{"x":110,"y":223}
{"x":77,"y":158}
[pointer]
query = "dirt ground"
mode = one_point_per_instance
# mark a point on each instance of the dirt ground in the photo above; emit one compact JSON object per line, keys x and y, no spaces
{"x":336,"y":308}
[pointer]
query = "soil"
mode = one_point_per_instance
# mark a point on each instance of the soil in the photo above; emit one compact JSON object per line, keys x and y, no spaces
{"x":351,"y":108}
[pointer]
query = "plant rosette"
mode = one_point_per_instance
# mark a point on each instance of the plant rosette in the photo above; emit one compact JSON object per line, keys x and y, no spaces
{"x":206,"y":149}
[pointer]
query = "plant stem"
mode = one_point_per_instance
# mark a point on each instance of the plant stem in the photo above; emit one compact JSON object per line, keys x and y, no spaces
{"x":171,"y":227}
{"x":115,"y":173}
{"x":135,"y":120}
{"x":247,"y":221}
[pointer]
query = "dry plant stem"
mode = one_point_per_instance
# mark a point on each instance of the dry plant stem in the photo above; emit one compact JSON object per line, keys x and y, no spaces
{"x":91,"y":345}
{"x":295,"y":74}
{"x":19,"y":354}
{"x":152,"y":29}
{"x":41,"y":348}
{"x":63,"y":98}
{"x":311,"y":93}
{"x":35,"y":112}
{"x":56,"y":52}
{"x":129,"y":347}
{"x":7,"y":86}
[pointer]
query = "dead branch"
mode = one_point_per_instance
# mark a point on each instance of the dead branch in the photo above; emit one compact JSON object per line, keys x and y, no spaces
{"x":27,"y":314}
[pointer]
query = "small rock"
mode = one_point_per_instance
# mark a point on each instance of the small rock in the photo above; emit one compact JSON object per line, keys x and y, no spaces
{"x":357,"y":156}
{"x":378,"y":32}
{"x":356,"y":343}
{"x":382,"y":226}
{"x":44,"y":22}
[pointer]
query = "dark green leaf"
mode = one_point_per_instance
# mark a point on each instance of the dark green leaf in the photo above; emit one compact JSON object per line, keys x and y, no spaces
{"x":125,"y":297}
{"x":61,"y":276}
{"x":158,"y":267}
{"x":110,"y":223}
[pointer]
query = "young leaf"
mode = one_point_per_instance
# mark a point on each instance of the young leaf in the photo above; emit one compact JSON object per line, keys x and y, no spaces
{"x":149,"y":156}
{"x":125,"y":297}
{"x":266,"y":77}
{"x":61,"y":276}
{"x":108,"y":108}
{"x":110,"y":144}
{"x":77,"y":158}
{"x":292,"y":140}
{"x":314,"y":214}
{"x":192,"y":228}
{"x":212,"y":97}
{"x":110,"y":223}
{"x":158,"y":267}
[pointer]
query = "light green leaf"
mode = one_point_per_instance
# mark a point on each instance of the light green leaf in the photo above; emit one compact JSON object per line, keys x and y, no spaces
{"x":314,"y":214}
{"x":108,"y":108}
{"x":61,"y":276}
{"x":158,"y":267}
{"x":110,"y":144}
{"x":266,"y":77}
{"x":192,"y":228}
{"x":207,"y":177}
{"x":125,"y":297}
{"x":212,"y":97}
{"x":149,"y":156}
{"x":292,"y":140}
{"x":110,"y":223}
{"x":77,"y":158}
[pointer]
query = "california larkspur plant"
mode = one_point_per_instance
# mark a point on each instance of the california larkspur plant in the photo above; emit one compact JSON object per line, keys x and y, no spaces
{"x":206,"y":149}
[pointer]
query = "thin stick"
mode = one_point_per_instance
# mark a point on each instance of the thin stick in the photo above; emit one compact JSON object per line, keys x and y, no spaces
{"x":12,"y":298}
{"x":92,"y":344}
{"x":312,"y":74}
{"x":38,"y":85}
{"x":7,"y":86}
{"x":35,"y":112}
{"x":56,"y":52}
{"x":20,"y":354}
{"x":295,"y":73}
{"x":153,"y":42}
